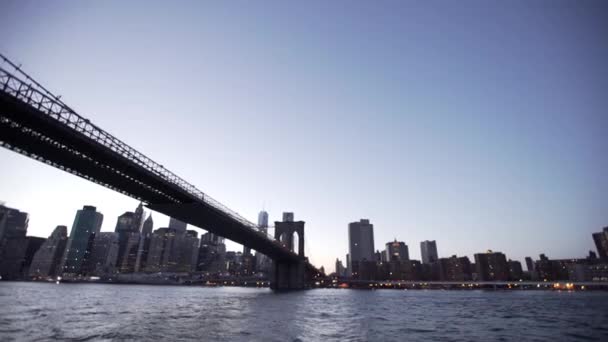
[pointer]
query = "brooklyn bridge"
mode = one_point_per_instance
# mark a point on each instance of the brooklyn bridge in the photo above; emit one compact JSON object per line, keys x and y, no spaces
{"x":36,"y":123}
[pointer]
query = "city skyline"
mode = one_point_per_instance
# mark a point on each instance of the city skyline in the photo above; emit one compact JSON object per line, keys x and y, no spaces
{"x":493,"y":144}
{"x":399,"y":249}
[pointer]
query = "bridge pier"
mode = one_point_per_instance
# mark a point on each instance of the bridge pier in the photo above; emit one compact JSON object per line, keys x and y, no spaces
{"x":288,"y":276}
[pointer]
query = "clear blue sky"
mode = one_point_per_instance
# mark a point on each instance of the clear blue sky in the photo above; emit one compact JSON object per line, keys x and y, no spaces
{"x":481,"y":125}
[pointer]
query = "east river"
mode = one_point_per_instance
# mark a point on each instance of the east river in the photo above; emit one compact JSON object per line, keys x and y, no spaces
{"x":105,"y":312}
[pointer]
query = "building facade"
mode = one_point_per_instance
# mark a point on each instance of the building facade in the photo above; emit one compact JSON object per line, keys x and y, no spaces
{"x":360,"y":246}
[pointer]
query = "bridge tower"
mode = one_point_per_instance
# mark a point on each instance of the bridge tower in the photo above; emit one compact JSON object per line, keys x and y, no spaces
{"x":289,"y":275}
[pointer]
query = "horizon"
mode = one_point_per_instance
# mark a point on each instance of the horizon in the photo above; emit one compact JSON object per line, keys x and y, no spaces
{"x":433,"y":129}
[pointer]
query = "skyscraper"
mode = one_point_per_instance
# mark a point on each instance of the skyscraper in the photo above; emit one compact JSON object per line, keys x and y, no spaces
{"x":601,"y":243}
{"x":360,"y":243}
{"x":104,"y":253}
{"x":397,"y":250}
{"x":263,"y":263}
{"x":87,"y":224}
{"x":179,"y":226}
{"x":263,"y":219}
{"x":13,"y":243}
{"x":428,"y":251}
{"x":144,"y":244}
{"x":47,"y":259}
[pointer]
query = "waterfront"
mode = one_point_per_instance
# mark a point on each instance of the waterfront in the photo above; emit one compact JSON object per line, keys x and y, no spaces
{"x":41,"y":311}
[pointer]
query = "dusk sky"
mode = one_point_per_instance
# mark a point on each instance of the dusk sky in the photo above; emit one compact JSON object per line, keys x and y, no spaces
{"x":479,"y":125}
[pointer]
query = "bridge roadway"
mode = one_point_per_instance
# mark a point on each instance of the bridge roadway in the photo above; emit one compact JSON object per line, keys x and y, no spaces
{"x":37,"y":124}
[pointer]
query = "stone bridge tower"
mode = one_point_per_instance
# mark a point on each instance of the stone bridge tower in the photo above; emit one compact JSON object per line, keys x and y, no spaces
{"x":289,"y":275}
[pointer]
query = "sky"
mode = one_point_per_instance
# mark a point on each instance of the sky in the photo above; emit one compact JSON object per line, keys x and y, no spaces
{"x":481,"y":125}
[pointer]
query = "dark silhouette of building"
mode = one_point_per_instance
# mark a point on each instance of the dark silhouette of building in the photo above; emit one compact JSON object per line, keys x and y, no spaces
{"x":340,"y":269}
{"x":86,"y":225}
{"x":144,"y":244}
{"x":212,"y":254}
{"x":492,"y":266}
{"x":104,"y":254}
{"x":428,"y":252}
{"x":397,"y":250}
{"x":529,"y":264}
{"x":47,"y":260}
{"x":33,"y":245}
{"x":179,"y":226}
{"x":454,"y":268}
{"x":360,"y":246}
{"x":13,"y":243}
{"x":515,"y":270}
{"x":601,"y":243}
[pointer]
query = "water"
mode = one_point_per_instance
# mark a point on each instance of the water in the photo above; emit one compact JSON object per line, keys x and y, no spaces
{"x":81,"y":312}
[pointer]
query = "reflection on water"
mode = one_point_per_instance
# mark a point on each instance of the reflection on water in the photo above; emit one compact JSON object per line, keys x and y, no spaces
{"x":37,"y":311}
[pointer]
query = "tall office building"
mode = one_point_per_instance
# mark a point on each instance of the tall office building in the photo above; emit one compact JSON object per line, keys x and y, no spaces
{"x":263,"y":263}
{"x":428,"y":251}
{"x":179,"y":226}
{"x":104,"y":254}
{"x":263,"y":219}
{"x":128,"y":227}
{"x":128,"y":247}
{"x":212,"y":254}
{"x":601,"y":243}
{"x":87,"y":224}
{"x":360,"y":244}
{"x":144,"y":244}
{"x":33,"y":245}
{"x":288,"y":217}
{"x":340,"y":270}
{"x":187,"y":250}
{"x":13,"y":243}
{"x":397,"y":250}
{"x":47,"y":260}
{"x":163,"y":255}
{"x":148,"y":225}
{"x":530,"y":264}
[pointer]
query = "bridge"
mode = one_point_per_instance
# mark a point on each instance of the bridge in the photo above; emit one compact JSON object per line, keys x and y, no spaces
{"x":39,"y":125}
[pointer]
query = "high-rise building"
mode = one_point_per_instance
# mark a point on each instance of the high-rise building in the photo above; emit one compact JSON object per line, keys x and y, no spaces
{"x":263,"y":263}
{"x":601,"y":243}
{"x":13,"y":243}
{"x":428,"y":251}
{"x":33,"y":245}
{"x":263,"y":219}
{"x":340,"y":270}
{"x":104,"y":254}
{"x":187,"y":250}
{"x":47,"y":260}
{"x":148,"y":225}
{"x":128,"y":227}
{"x":212,"y":254}
{"x":128,"y":247}
{"x":164,"y":252}
{"x":144,"y":244}
{"x":287,"y":217}
{"x":492,"y":266}
{"x":179,"y":226}
{"x":396,"y":250}
{"x":529,"y":264}
{"x":361,"y":245}
{"x":515,"y":270}
{"x":87,"y":224}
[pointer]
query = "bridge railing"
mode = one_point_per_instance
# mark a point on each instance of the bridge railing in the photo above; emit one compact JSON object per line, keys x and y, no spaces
{"x":35,"y":95}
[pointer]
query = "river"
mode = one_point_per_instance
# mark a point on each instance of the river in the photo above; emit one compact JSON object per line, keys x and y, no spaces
{"x":107,"y":312}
